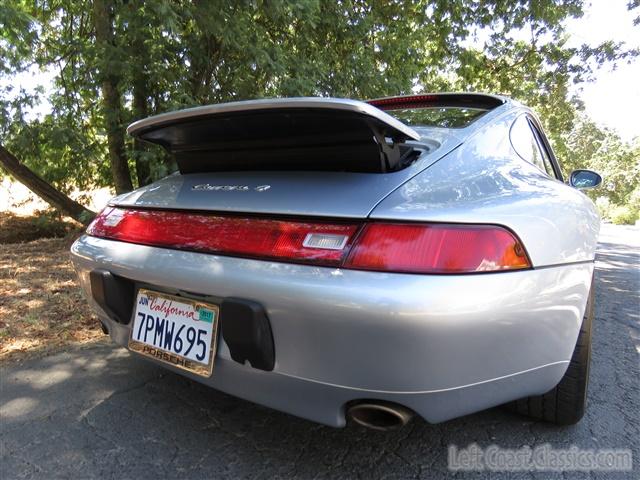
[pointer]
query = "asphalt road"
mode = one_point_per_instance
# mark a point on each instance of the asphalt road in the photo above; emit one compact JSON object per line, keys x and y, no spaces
{"x":100,"y":412}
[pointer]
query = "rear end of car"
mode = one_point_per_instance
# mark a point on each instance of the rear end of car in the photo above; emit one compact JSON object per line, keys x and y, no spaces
{"x":263,"y":270}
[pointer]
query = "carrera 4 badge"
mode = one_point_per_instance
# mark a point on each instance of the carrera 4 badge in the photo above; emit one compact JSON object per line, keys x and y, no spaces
{"x":206,"y":187}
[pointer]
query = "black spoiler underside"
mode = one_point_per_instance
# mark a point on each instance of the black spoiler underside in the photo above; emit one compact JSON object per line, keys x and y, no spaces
{"x":280,"y":134}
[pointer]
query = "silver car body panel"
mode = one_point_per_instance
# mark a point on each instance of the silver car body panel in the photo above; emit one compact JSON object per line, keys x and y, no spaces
{"x":331,"y":194}
{"x":485,"y":181}
{"x":420,"y":340}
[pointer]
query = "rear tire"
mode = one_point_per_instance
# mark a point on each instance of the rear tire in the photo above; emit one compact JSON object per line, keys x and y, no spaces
{"x":565,"y":403}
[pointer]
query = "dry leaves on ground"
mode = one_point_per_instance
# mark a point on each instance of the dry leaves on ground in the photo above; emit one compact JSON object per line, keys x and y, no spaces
{"x":41,"y":305}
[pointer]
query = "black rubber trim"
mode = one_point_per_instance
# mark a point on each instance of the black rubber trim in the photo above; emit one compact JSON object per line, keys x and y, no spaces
{"x":247,"y":332}
{"x":568,"y":264}
{"x":114,"y":294}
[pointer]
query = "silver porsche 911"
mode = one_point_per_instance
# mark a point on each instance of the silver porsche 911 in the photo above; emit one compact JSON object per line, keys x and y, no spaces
{"x":337,"y":259}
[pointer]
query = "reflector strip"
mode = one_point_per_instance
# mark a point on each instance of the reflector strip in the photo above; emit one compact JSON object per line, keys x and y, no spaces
{"x":325,"y":240}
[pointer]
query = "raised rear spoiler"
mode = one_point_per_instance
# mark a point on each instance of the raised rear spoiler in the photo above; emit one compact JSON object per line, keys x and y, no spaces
{"x":281,"y":134}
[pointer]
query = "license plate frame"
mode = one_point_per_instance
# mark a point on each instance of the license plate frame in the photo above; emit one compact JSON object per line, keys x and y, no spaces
{"x":166,"y":356}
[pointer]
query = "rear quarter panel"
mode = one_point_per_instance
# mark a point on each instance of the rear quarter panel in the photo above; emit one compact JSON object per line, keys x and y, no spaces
{"x":485,"y":181}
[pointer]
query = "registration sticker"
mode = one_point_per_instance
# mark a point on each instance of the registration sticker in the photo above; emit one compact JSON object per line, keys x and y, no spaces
{"x":205,"y":315}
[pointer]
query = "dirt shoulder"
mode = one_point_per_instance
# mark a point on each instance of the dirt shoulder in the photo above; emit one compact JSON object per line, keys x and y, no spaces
{"x":16,"y":228}
{"x":41,"y":306}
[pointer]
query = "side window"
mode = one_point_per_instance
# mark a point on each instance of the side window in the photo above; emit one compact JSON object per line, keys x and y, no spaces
{"x":546,"y":158}
{"x":525,"y":144}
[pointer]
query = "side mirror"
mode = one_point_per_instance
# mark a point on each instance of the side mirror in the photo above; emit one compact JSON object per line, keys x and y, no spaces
{"x":584,"y":179}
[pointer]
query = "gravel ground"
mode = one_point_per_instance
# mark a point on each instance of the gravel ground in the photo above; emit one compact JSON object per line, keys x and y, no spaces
{"x":99,"y":412}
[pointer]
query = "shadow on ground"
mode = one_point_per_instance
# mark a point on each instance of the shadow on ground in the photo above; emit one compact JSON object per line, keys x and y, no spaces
{"x":100,"y":412}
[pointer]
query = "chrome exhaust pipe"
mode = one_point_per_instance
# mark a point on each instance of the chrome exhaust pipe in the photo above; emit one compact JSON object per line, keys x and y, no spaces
{"x":379,"y":415}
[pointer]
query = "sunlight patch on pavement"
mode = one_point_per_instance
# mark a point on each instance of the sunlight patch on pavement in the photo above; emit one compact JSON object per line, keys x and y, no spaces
{"x":18,"y":407}
{"x":43,"y":379}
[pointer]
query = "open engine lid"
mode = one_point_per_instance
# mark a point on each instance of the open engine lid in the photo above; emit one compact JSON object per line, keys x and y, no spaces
{"x":326,"y":134}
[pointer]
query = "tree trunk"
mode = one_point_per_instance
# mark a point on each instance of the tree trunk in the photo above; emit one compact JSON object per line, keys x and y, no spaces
{"x":141,"y":110}
{"x":111,"y":101}
{"x":44,"y":190}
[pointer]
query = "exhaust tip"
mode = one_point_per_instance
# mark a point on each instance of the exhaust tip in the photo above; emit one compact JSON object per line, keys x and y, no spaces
{"x":379,"y":415}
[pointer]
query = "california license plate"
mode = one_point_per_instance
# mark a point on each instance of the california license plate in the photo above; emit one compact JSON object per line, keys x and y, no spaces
{"x":175,"y":330}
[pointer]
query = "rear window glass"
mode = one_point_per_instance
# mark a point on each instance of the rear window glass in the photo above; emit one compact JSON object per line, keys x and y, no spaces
{"x":447,"y":117}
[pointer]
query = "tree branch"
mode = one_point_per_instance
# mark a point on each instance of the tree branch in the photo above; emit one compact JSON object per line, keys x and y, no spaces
{"x":43,"y":189}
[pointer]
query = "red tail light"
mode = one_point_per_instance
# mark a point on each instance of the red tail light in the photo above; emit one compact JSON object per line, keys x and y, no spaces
{"x":245,"y":237}
{"x":436,"y":248}
{"x":386,"y":247}
{"x":408,"y":101}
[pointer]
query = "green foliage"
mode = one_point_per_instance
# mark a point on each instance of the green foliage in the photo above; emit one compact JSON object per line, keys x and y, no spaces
{"x":168,"y":54}
{"x":618,"y":214}
{"x":624,"y":215}
{"x":589,"y":146}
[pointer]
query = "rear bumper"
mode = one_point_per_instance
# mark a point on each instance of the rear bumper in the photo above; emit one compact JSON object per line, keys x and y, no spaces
{"x":443,"y":346}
